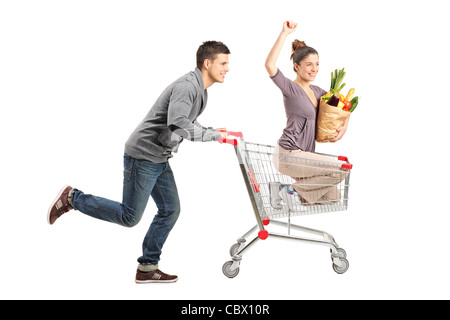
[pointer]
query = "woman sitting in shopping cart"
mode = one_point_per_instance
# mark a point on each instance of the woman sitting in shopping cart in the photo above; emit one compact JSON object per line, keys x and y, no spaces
{"x":315,"y":175}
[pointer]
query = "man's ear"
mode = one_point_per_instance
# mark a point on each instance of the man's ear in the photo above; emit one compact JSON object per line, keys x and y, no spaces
{"x":206,"y":64}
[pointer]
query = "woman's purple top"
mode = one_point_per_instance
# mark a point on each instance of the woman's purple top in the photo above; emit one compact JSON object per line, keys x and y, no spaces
{"x":300,"y":131}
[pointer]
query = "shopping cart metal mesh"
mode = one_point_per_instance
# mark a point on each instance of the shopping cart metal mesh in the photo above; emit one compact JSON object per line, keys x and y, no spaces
{"x":265,"y":179}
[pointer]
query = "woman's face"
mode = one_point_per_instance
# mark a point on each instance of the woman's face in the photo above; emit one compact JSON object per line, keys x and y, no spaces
{"x":309,"y":67}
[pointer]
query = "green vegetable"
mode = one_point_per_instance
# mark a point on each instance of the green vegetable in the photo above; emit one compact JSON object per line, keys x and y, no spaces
{"x":326,"y":97}
{"x":354,"y":103}
{"x":336,"y":83}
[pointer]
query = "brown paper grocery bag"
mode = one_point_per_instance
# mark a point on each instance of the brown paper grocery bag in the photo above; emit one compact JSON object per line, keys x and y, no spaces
{"x":329,"y":120}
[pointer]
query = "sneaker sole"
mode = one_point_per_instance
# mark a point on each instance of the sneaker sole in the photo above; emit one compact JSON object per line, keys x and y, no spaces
{"x":155,"y":281}
{"x":54,"y":203}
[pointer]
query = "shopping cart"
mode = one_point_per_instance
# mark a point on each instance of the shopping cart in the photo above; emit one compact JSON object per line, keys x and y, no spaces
{"x":257,"y":163}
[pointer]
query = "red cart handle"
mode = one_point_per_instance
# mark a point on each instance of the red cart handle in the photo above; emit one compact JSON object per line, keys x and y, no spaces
{"x":232,"y":133}
{"x":229,"y":141}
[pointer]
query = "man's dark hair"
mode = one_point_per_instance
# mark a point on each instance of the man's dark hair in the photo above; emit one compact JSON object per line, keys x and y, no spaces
{"x":209,"y":50}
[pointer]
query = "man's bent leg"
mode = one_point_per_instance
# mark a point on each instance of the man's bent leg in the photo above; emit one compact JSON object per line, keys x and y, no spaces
{"x":139,"y":178}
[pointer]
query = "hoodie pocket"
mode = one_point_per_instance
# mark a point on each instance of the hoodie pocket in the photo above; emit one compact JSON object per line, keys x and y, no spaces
{"x":168,"y":139}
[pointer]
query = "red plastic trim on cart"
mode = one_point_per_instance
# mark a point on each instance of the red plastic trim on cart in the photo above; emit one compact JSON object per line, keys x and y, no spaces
{"x":263,"y":234}
{"x":265,"y":220}
{"x":222,"y":140}
{"x":252,"y":177}
{"x":232,"y":133}
{"x":347,"y":166}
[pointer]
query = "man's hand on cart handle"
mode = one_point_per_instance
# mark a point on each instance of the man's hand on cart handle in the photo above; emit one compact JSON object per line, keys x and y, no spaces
{"x":227,"y":140}
{"x":223,"y":131}
{"x":226,"y":133}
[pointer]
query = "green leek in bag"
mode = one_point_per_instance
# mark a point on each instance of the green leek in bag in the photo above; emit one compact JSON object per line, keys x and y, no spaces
{"x":336,"y":83}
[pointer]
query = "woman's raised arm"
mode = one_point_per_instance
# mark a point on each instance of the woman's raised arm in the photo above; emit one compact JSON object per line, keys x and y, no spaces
{"x":288,"y":28}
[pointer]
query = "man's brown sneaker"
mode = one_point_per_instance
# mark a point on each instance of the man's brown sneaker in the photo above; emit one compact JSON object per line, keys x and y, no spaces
{"x":60,"y":205}
{"x":154,"y":276}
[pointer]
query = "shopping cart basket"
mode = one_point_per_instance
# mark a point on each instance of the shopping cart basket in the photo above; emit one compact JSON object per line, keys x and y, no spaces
{"x":257,"y":163}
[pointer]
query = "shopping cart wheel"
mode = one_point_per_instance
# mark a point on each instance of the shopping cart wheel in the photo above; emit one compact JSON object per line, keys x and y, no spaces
{"x":341,"y":253}
{"x":226,"y":269}
{"x":343,"y":268}
{"x":234,"y":249}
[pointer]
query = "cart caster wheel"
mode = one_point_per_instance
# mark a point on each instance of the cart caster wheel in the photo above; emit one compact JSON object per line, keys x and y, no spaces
{"x":226,"y":269}
{"x":341,"y":253}
{"x":234,"y":249}
{"x":341,"y":269}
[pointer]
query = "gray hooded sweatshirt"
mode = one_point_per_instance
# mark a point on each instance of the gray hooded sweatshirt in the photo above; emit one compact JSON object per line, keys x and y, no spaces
{"x":172,"y":118}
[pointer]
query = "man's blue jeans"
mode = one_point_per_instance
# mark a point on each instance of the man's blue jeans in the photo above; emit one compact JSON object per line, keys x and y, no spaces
{"x":140,"y":180}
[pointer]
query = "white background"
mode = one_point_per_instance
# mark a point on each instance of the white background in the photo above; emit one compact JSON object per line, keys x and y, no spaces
{"x":76,"y":77}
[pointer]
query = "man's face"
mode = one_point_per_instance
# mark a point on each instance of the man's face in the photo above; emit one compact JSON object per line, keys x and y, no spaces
{"x":218,"y":68}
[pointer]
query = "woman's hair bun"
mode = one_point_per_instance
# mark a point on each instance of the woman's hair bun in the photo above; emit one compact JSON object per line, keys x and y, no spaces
{"x":297,"y":44}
